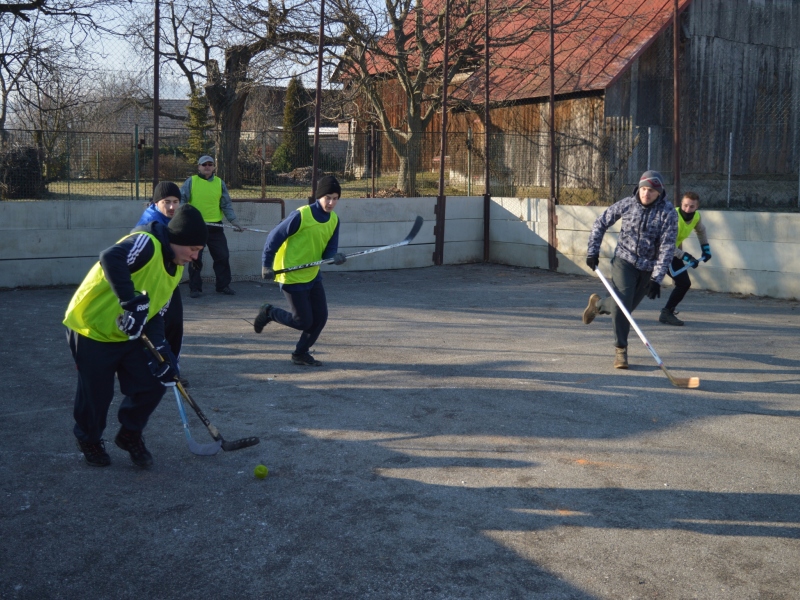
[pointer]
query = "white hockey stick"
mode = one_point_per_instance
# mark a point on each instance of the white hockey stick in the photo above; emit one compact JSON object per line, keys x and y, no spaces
{"x":411,"y":235}
{"x":232,"y":227}
{"x":681,"y":382}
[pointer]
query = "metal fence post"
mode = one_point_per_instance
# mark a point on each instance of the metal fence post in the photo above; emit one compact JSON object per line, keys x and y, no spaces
{"x":730,"y":161}
{"x":136,"y":158}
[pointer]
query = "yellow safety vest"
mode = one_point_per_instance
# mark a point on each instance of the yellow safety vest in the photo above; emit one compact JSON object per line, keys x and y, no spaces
{"x":304,"y":246}
{"x":94,"y":308}
{"x":685,"y":229}
{"x":205,"y":197}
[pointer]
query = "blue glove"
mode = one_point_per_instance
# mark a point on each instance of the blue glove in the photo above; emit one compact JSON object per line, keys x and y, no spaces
{"x":132,"y":320}
{"x":690,"y":260}
{"x":166,"y":370}
{"x":706,"y":256}
{"x":339,"y":258}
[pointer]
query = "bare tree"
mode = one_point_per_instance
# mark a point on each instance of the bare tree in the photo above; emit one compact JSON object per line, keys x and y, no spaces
{"x":399,"y":46}
{"x":225,"y":47}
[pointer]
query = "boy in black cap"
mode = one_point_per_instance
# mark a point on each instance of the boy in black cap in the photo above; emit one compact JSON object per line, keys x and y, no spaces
{"x":123,"y":296}
{"x":308,"y":234}
{"x":166,"y":199}
{"x":643,"y":254}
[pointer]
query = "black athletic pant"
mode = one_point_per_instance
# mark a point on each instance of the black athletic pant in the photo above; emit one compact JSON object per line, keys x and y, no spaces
{"x":309,"y":313}
{"x":173,"y":323}
{"x":218,"y":249}
{"x":682,"y":285}
{"x":631,"y":286}
{"x":97,"y":363}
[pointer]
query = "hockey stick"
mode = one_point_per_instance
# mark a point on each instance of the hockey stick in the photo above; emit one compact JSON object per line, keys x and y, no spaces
{"x":232,"y":227}
{"x":199,"y":449}
{"x":681,"y":382}
{"x":411,"y":235}
{"x":227,"y":446}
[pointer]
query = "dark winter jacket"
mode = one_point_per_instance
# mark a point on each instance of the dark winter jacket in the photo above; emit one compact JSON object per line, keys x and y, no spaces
{"x":647,"y":237}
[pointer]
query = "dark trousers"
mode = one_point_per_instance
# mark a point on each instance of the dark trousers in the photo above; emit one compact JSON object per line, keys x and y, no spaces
{"x":682,"y":285}
{"x":173,"y":323}
{"x":97,"y":363}
{"x":218,"y":249}
{"x":309,"y":313}
{"x":631,"y":286}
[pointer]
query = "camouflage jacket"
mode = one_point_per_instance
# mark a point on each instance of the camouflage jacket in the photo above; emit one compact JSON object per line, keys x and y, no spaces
{"x":647,"y":237}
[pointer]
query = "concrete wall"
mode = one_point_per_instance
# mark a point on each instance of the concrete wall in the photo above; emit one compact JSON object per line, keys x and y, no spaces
{"x":55,"y":243}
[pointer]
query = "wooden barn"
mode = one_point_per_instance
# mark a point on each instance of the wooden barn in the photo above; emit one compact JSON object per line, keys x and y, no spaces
{"x":739,"y":99}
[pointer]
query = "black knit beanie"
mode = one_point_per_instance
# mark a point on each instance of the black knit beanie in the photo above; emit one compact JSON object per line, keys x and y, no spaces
{"x":328,"y":185}
{"x":187,"y":227}
{"x":165,"y":189}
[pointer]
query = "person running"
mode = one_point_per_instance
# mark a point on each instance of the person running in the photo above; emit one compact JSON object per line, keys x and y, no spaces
{"x":308,"y":234}
{"x":209,"y":194}
{"x":643,"y":253}
{"x":122,"y":297}
{"x":688,"y":221}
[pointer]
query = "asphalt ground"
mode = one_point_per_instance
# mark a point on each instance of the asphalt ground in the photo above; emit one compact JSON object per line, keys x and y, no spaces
{"x":467,"y":437}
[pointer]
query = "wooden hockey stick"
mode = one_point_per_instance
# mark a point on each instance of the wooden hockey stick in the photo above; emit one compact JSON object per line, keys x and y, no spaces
{"x":411,"y":235}
{"x":681,"y":382}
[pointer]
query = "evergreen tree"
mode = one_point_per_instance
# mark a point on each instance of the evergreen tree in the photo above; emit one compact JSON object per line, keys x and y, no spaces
{"x":197,"y":124}
{"x":294,"y":150}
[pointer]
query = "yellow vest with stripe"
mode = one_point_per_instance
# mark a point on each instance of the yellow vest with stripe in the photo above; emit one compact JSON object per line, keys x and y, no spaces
{"x":685,"y":229}
{"x":304,"y":246}
{"x":205,"y":196}
{"x":94,"y":308}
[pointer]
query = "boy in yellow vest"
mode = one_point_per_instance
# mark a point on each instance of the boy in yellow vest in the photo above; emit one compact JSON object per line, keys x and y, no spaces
{"x":124,"y":295}
{"x":308,"y":234}
{"x":688,"y":221}
{"x":210,"y":196}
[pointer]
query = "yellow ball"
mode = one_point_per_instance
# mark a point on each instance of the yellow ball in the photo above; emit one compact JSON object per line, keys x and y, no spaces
{"x":260,"y":471}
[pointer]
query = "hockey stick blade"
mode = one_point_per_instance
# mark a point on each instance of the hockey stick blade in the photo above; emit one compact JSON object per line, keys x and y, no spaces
{"x":195,"y":448}
{"x":227,"y":446}
{"x":690,"y":382}
{"x":407,"y":240}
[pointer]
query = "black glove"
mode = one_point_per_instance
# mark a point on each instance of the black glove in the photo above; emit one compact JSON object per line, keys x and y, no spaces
{"x":267,"y":273}
{"x":131,"y":322}
{"x":592,"y":261}
{"x":706,"y":256}
{"x":654,"y":291}
{"x":166,"y":371}
{"x":690,"y":260}
{"x":339,"y":258}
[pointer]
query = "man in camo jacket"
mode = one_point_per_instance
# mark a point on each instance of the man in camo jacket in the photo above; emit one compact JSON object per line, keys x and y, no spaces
{"x":643,"y":254}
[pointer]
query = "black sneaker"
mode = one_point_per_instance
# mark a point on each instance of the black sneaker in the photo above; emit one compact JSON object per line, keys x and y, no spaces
{"x":227,"y":291}
{"x":133,"y":443}
{"x":668,"y":317}
{"x":94,"y":453}
{"x":195,"y":294}
{"x":262,"y":318}
{"x":306,"y":360}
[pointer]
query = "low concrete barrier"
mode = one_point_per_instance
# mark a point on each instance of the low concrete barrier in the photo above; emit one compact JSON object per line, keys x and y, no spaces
{"x":47,"y":243}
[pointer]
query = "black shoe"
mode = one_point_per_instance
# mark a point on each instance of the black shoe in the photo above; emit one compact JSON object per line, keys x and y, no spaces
{"x":133,"y":443}
{"x":195,"y":294}
{"x":94,"y":453}
{"x":306,"y":360}
{"x":668,"y":317}
{"x":227,"y":291}
{"x":262,"y":318}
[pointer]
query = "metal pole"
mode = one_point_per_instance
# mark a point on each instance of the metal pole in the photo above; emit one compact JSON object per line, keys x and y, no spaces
{"x":318,"y":101}
{"x":264,"y":165}
{"x":487,"y":199}
{"x":676,"y":108}
{"x":730,"y":164}
{"x":156,"y":100}
{"x":469,"y":161}
{"x":372,"y":155}
{"x":438,"y":253}
{"x":136,"y":158}
{"x":552,"y":258}
{"x":649,"y":146}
